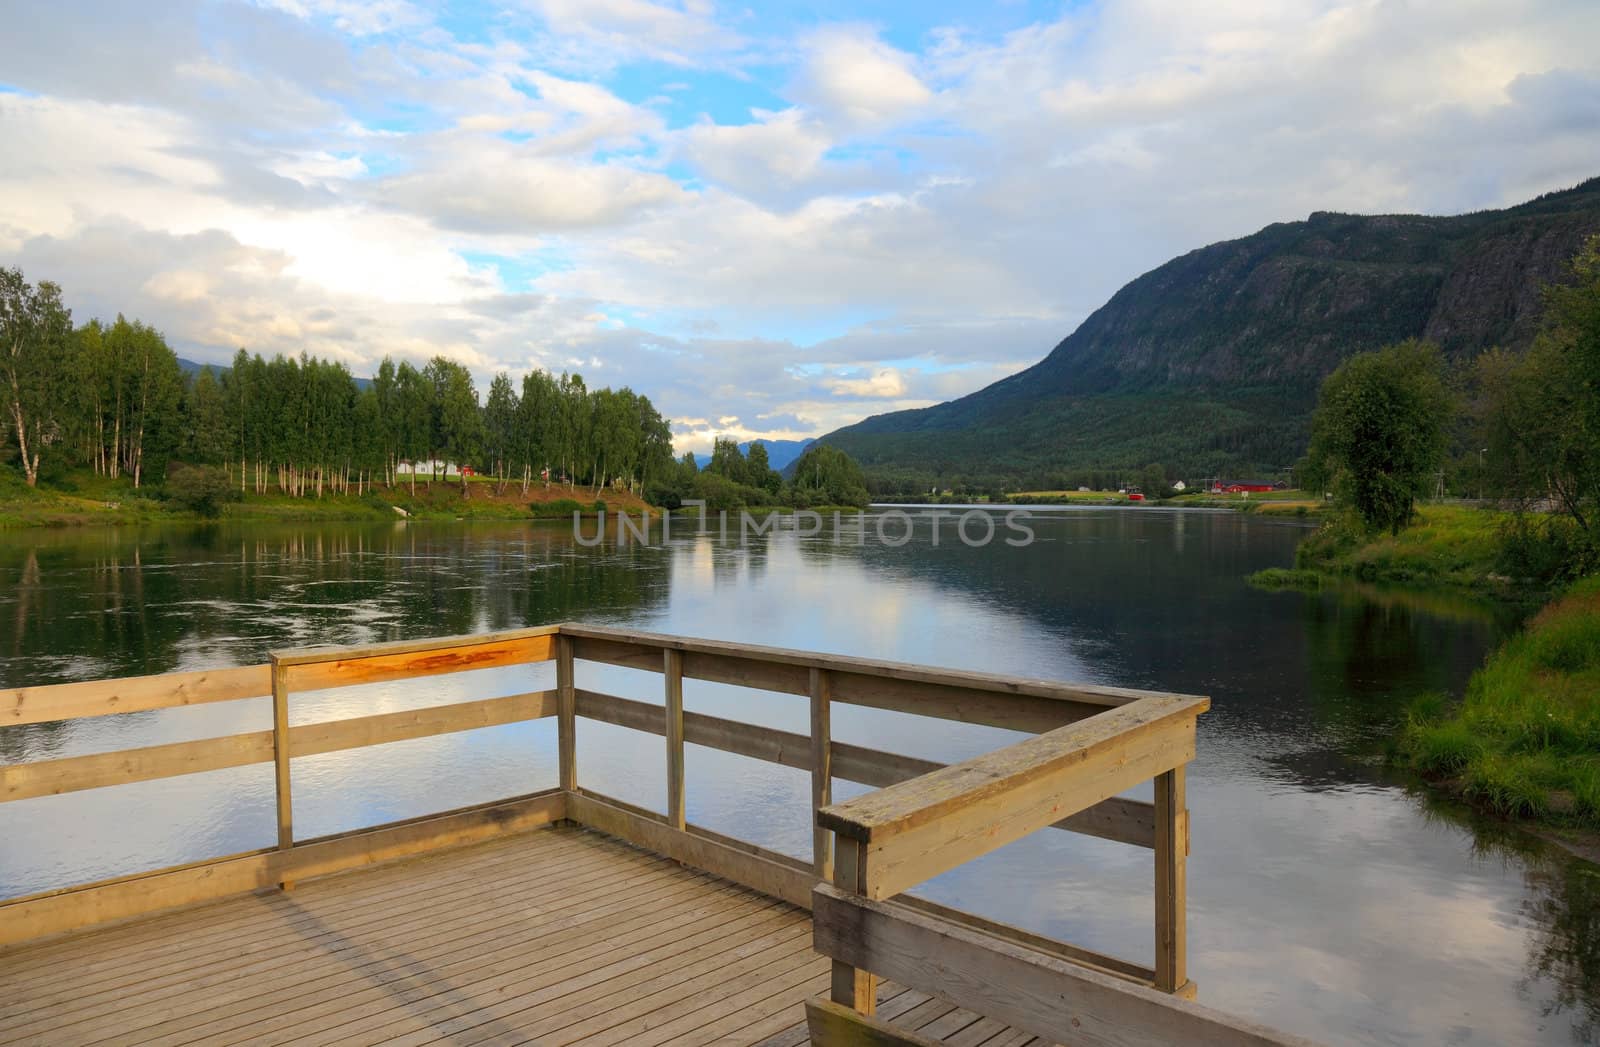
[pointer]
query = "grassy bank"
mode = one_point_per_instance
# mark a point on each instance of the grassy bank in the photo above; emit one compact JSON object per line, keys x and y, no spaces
{"x":1448,"y":547}
{"x":1525,"y":741}
{"x":85,"y":499}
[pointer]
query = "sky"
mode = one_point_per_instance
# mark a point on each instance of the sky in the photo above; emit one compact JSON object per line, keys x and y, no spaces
{"x":771,"y":222}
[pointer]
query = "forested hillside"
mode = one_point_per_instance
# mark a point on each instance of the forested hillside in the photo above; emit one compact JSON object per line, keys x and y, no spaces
{"x":1210,"y":363}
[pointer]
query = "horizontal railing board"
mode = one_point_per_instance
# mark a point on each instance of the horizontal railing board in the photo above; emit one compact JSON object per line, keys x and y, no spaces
{"x":75,"y":908}
{"x":133,"y":694}
{"x":1116,"y":818}
{"x":73,"y":773}
{"x":1096,"y":695}
{"x":316,"y":655}
{"x":1052,"y":998}
{"x":406,"y":665}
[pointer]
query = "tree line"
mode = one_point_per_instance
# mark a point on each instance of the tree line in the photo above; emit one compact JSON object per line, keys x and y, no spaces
{"x":113,"y":398}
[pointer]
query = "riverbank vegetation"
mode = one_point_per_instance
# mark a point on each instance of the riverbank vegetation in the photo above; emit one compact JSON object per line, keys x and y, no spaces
{"x":1525,"y":740}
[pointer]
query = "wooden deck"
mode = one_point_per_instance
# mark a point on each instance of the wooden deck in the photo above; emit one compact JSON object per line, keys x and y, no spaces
{"x":553,"y":936}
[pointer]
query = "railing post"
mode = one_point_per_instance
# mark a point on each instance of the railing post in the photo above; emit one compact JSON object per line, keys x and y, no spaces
{"x":566,"y":716}
{"x":280,"y":759}
{"x":852,"y":987}
{"x":821,"y":771}
{"x":672,"y":671}
{"x":1172,"y":850}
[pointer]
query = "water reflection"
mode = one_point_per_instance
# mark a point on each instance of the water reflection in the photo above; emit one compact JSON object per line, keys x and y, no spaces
{"x":1324,"y":896}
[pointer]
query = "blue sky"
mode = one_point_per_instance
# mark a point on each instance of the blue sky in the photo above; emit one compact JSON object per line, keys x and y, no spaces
{"x":773,"y":223}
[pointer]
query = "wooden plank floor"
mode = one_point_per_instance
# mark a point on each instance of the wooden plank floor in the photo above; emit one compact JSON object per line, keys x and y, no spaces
{"x":551,"y":937}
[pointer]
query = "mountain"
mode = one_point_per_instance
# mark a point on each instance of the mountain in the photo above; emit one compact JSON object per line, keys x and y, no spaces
{"x":1211,"y":362}
{"x":780,"y":453}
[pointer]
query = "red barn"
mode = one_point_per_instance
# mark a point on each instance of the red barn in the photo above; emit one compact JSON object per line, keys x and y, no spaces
{"x":1231,"y":487}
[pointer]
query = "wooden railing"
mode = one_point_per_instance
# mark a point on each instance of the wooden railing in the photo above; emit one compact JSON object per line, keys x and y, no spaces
{"x":1093,"y":744}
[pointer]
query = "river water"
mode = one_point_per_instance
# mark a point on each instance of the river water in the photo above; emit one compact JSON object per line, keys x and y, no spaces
{"x":1327,"y":895}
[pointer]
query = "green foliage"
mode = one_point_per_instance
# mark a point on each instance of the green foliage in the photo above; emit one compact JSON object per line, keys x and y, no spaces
{"x":825,"y":475}
{"x":1542,"y":413}
{"x":1380,"y":430}
{"x":1283,"y":578}
{"x":1526,"y":740}
{"x":36,"y":365}
{"x":560,"y":507}
{"x":1446,"y":545}
{"x":113,"y":399}
{"x":201,"y":489}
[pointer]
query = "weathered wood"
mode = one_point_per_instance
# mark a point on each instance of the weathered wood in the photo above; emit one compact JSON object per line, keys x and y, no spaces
{"x":70,"y":774}
{"x":855,"y":985}
{"x":1058,"y":1000}
{"x":691,"y":847}
{"x":821,"y":772}
{"x":918,"y":829}
{"x":831,"y":1025}
{"x":322,"y":655}
{"x":70,"y":701}
{"x":1102,"y":697}
{"x":1116,"y":818}
{"x":673,"y":678}
{"x":900,"y":808}
{"x":74,"y":908}
{"x":428,"y":658}
{"x":1111,"y":965}
{"x":1172,"y":945}
{"x":614,"y":652}
{"x":24,"y":781}
{"x":282,"y":750}
{"x":567,"y":721}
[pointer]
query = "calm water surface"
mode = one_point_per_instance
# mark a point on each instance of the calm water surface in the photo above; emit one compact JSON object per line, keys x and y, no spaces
{"x":1325,"y":896}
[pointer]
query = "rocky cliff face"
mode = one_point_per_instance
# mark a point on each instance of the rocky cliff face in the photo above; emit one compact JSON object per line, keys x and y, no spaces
{"x":1270,"y":314}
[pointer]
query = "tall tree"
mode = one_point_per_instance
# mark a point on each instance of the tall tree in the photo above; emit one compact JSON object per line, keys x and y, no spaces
{"x":500,"y":428}
{"x":35,"y":333}
{"x":205,"y":423}
{"x":1380,"y":427}
{"x":1542,"y":432}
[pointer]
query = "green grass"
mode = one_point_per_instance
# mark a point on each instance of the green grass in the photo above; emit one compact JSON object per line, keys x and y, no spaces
{"x":81,"y":497}
{"x":1286,"y":578}
{"x":1525,"y":741}
{"x":1445,"y":546}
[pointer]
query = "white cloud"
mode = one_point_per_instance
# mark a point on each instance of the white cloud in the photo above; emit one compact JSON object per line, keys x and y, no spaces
{"x":852,"y":75}
{"x":877,"y":228}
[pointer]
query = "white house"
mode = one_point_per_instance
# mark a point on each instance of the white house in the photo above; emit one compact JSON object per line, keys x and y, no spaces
{"x":1179,"y":485}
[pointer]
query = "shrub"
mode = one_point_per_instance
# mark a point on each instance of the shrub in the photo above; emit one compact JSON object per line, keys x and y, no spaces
{"x":201,"y":489}
{"x":1547,"y":549}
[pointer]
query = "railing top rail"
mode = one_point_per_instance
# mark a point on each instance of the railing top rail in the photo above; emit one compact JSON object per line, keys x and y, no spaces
{"x":322,"y":653}
{"x":1088,"y":694}
{"x":996,"y":775}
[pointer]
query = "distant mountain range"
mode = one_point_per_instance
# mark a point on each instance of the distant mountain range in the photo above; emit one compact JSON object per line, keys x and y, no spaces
{"x":780,"y":453}
{"x":1211,"y":362}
